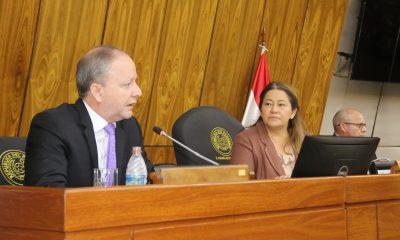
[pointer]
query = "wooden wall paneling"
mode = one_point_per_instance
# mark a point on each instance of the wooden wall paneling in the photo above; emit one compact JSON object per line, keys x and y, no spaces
{"x":17,"y":30}
{"x":388,"y":220}
{"x":181,"y":64}
{"x":315,"y":58}
{"x":66,"y":30}
{"x":136,"y":27}
{"x":322,"y":224}
{"x":362,"y":222}
{"x":283,"y":22}
{"x":232,"y":52}
{"x":159,"y":155}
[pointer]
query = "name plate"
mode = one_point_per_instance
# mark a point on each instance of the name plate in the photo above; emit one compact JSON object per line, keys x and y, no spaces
{"x":203,"y":174}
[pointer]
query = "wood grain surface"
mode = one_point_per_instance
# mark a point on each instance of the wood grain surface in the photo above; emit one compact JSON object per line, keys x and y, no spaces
{"x":19,"y":204}
{"x":96,"y":208}
{"x":181,"y":64}
{"x":283,"y":23}
{"x":372,"y":188}
{"x":66,"y":30}
{"x":315,"y":57}
{"x":136,"y":27}
{"x":188,"y":54}
{"x":17,"y":30}
{"x":231,"y":58}
{"x":361,"y":223}
{"x":309,"y":208}
{"x":388,"y":220}
{"x":324,"y":224}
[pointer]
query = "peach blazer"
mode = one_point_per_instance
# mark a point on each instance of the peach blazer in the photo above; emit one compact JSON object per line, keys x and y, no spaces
{"x":254,"y":148}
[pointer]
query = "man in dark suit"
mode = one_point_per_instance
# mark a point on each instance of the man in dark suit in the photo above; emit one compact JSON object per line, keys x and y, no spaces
{"x":66,"y":143}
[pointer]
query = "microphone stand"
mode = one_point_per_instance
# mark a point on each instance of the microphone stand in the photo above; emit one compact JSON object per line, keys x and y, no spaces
{"x":190,"y":150}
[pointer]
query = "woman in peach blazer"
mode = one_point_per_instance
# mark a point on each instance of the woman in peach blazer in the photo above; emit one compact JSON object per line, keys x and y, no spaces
{"x":270,"y":147}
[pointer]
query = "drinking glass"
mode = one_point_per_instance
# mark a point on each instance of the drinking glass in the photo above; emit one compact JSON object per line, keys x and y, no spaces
{"x":105,"y":177}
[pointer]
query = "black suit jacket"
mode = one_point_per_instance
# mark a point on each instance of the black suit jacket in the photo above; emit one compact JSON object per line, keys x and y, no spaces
{"x":61,"y":147}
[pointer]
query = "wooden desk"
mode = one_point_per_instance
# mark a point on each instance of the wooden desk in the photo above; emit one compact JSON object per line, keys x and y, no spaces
{"x":315,"y":208}
{"x":280,"y":209}
{"x":373,"y":207}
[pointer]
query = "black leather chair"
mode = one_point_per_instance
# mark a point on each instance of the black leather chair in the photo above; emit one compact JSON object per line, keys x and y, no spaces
{"x":208,"y":131}
{"x":12,"y":159}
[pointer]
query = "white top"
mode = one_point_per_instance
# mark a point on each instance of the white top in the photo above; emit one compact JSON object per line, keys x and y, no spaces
{"x":100,"y":135}
{"x":288,"y":161}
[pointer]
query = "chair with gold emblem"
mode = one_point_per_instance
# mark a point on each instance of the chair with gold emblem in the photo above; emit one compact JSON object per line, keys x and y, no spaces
{"x":12,"y":159}
{"x":208,"y":131}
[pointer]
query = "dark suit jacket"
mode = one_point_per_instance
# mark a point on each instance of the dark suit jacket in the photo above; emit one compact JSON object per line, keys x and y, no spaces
{"x":61,"y":147}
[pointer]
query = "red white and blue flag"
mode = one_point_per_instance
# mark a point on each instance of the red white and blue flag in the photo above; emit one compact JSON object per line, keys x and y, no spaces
{"x":261,"y":79}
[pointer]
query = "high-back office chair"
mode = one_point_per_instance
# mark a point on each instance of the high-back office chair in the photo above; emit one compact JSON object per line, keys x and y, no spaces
{"x":12,"y":159}
{"x":208,"y":131}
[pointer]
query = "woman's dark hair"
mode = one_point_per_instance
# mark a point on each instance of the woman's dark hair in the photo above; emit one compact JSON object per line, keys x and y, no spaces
{"x":295,"y":125}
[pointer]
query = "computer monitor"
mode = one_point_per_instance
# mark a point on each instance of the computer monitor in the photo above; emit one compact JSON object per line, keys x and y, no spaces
{"x":333,"y":155}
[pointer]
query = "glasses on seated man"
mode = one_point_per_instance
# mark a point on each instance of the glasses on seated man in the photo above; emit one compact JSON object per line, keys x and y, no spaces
{"x":359,"y":125}
{"x":349,"y":122}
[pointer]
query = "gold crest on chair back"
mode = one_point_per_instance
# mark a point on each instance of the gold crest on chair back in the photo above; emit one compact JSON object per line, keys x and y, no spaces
{"x":208,"y":131}
{"x":12,"y":160}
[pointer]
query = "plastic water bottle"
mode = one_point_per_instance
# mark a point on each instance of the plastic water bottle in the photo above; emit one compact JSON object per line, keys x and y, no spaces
{"x":136,"y":172}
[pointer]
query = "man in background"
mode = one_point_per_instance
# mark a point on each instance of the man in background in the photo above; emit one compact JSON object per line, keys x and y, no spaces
{"x":349,"y":122}
{"x":66,"y":143}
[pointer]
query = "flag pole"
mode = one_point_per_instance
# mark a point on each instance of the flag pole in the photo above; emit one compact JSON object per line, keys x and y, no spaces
{"x":263,"y":44}
{"x":264,"y":37}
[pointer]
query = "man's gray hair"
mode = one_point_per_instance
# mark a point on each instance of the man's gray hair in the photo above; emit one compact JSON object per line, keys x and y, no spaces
{"x":93,"y":67}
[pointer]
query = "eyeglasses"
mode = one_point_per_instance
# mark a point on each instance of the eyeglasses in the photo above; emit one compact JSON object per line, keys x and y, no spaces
{"x":359,"y":125}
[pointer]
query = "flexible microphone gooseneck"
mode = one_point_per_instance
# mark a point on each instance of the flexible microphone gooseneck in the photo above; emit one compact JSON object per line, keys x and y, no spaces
{"x":162,"y":133}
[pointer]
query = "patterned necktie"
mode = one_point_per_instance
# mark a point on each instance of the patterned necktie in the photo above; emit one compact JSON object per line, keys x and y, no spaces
{"x":111,"y":157}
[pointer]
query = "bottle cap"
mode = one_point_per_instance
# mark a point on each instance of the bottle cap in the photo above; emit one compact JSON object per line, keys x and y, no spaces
{"x":136,"y":149}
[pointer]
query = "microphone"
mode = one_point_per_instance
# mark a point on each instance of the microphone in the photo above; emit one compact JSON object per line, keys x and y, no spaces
{"x":162,"y":133}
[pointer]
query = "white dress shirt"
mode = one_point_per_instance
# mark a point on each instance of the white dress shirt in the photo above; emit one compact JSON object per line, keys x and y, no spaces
{"x":100,"y":134}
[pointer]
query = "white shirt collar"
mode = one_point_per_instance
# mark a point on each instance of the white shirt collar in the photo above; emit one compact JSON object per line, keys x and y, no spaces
{"x":97,"y":121}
